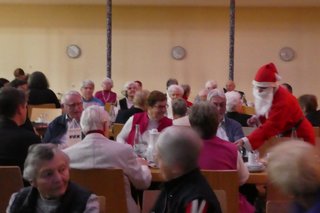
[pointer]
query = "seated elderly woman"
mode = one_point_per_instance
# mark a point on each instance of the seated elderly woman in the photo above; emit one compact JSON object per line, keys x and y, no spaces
{"x":185,"y":188}
{"x":217,"y":154}
{"x":88,"y":99}
{"x":153,"y":118}
{"x":47,"y":169}
{"x":106,"y":95}
{"x":97,"y":151}
{"x":139,"y":105}
{"x":174,"y":91}
{"x":129,"y":90}
{"x":293,"y":166}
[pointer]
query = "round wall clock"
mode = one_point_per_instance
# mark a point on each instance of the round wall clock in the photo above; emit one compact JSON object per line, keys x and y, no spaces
{"x":286,"y":54}
{"x":178,"y":53}
{"x":73,"y":51}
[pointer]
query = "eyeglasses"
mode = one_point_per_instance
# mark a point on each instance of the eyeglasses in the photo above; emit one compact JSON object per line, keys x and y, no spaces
{"x":74,"y":105}
{"x":161,"y":106}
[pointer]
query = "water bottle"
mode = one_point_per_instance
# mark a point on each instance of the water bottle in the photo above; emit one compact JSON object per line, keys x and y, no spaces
{"x":139,"y":146}
{"x":153,"y":133}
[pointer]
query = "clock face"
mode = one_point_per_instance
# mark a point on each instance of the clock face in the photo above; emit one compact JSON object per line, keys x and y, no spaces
{"x":73,"y":51}
{"x":286,"y":54}
{"x":178,"y":52}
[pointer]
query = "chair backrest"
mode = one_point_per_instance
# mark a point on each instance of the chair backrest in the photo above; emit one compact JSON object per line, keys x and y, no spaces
{"x":107,"y":106}
{"x":278,"y":206}
{"x":222,"y":198}
{"x":102,"y":204}
{"x":116,"y":129}
{"x":40,"y":106}
{"x":105,"y":182}
{"x":248,"y":110}
{"x":228,"y":181}
{"x":247,"y":130}
{"x":10,"y":182}
{"x":47,"y":114}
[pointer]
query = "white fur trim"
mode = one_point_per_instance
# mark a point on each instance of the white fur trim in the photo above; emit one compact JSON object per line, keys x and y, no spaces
{"x":264,"y":84}
{"x":278,"y":77}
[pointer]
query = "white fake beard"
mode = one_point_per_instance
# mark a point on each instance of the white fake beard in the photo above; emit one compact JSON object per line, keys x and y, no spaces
{"x":263,"y":100}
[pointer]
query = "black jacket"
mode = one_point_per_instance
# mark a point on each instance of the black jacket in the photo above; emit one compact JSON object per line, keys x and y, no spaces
{"x":74,"y":200}
{"x":177,"y":194}
{"x":240,"y":117}
{"x":14,"y":143}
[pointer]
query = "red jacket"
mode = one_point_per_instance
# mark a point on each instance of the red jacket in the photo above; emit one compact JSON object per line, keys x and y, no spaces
{"x":284,"y":114}
{"x":142,"y":119}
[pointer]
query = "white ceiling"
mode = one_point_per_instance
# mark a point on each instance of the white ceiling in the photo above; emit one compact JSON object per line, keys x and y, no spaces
{"x":251,"y":3}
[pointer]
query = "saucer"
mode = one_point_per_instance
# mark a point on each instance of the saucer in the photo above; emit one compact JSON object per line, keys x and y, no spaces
{"x":258,"y":167}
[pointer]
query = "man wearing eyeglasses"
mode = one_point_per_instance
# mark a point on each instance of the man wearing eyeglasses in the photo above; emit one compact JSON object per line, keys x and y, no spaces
{"x":58,"y":129}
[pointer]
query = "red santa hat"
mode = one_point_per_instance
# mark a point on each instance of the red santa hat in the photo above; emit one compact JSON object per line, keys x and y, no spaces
{"x":267,"y":76}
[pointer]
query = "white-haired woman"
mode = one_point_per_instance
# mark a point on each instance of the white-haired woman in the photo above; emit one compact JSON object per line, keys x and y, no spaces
{"x":234,"y":108}
{"x":106,"y":95}
{"x":174,"y":92}
{"x":47,"y":169}
{"x":97,"y":151}
{"x":129,"y":90}
{"x":293,"y":166}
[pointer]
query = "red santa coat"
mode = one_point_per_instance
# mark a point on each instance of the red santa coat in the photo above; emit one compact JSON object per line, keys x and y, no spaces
{"x":284,"y":114}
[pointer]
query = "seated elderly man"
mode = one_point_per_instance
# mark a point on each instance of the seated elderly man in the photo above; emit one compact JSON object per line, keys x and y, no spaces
{"x":211,"y":84}
{"x":97,"y":151}
{"x":57,"y":131}
{"x":153,"y":118}
{"x":217,"y":154}
{"x":174,"y":91}
{"x":229,"y":129}
{"x":293,"y":166}
{"x":139,"y":105}
{"x":180,"y":109}
{"x":47,"y":170}
{"x":234,"y":108}
{"x":185,"y":188}
{"x":88,"y":99}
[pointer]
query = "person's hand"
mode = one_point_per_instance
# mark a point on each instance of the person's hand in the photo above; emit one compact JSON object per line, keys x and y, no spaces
{"x":142,"y":161}
{"x":253,"y":121}
{"x":239,"y":143}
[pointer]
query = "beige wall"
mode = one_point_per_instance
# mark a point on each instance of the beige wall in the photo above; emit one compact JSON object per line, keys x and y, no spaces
{"x":35,"y":38}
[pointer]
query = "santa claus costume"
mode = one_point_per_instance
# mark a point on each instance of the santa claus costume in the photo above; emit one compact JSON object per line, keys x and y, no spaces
{"x":283,"y":116}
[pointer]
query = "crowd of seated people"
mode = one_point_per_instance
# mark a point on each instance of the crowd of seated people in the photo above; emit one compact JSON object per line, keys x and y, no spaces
{"x":150,"y":110}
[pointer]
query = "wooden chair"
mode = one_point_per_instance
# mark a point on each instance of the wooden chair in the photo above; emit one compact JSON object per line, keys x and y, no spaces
{"x":227,"y":181}
{"x":49,"y":114}
{"x":247,"y":130}
{"x":39,"y":106}
{"x":10,"y":181}
{"x":278,"y":206}
{"x":102,"y":204}
{"x":107,"y":106}
{"x":248,"y":110}
{"x":105,"y":182}
{"x":116,"y":129}
{"x":149,"y":199}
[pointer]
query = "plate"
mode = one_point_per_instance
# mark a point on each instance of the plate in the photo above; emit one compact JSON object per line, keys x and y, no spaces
{"x":259,"y":167}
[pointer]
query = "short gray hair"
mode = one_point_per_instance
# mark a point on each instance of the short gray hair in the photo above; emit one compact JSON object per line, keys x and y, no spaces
{"x":36,"y":155}
{"x":179,"y":107}
{"x":233,"y":100}
{"x":215,"y":93}
{"x":294,"y":167}
{"x":211,"y":83}
{"x":179,"y":146}
{"x":175,"y":87}
{"x":67,"y":95}
{"x":107,"y":81}
{"x":86,"y":83}
{"x":204,"y":119}
{"x":94,"y":118}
